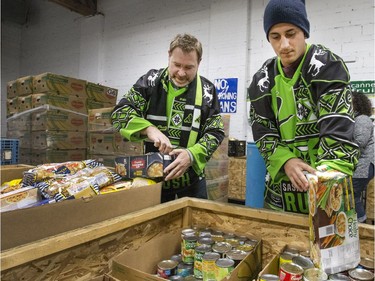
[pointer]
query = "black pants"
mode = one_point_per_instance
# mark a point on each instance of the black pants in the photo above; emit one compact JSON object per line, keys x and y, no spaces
{"x":197,"y":190}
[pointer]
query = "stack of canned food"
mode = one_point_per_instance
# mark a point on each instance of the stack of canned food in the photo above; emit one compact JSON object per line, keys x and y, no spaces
{"x":297,"y":265}
{"x":206,"y":254}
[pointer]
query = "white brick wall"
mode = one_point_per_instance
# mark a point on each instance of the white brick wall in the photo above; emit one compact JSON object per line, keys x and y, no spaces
{"x":132,"y":36}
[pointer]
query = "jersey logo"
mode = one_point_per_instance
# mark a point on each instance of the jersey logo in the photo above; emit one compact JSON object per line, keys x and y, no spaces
{"x":151,"y":79}
{"x":262,"y":83}
{"x":207,"y":95}
{"x":316,"y":64}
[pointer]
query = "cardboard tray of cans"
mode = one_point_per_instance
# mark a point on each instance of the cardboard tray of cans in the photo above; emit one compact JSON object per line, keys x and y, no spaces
{"x":89,"y":251}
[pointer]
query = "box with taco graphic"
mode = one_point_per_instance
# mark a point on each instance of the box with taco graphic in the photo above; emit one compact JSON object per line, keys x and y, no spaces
{"x":334,"y":236}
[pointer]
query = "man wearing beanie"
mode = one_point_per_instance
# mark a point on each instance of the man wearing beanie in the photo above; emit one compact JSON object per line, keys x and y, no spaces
{"x":301,"y":112}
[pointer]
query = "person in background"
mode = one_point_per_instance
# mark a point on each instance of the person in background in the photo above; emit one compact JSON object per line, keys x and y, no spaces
{"x":364,"y":137}
{"x":301,"y":110}
{"x":178,"y":111}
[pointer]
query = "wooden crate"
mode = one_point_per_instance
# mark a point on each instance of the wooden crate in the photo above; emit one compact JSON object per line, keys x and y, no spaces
{"x":85,"y":253}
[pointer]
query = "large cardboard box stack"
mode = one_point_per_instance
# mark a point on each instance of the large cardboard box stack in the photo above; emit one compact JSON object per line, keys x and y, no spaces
{"x":104,"y":143}
{"x":217,"y":168}
{"x":237,"y":178}
{"x":48,"y":114}
{"x":19,"y":96}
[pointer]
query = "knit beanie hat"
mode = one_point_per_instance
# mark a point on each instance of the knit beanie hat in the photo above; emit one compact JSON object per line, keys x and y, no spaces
{"x":286,"y":11}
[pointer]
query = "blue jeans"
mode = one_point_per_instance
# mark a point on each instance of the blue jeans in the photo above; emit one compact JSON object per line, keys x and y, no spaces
{"x":197,"y":190}
{"x":359,"y":185}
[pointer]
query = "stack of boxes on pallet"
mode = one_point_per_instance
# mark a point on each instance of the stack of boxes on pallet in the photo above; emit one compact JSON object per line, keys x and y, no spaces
{"x":103,"y":142}
{"x":217,"y":168}
{"x":237,"y":178}
{"x":47,"y":113}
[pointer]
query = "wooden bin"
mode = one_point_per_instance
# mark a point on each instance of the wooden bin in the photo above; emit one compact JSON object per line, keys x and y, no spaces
{"x":85,"y":253}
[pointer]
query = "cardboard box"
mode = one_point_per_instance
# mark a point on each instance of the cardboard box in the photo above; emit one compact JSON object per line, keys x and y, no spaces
{"x":99,"y":120}
{"x":24,"y":103}
{"x":58,"y":140}
{"x":101,"y":93}
{"x":19,"y":123}
{"x":112,"y":144}
{"x":74,"y":103}
{"x":127,"y":265}
{"x":46,"y":82}
{"x":41,"y":156}
{"x":93,"y":104}
{"x":11,"y":172}
{"x":24,"y":85}
{"x":24,"y":137}
{"x":217,"y":189}
{"x":12,"y":89}
{"x":58,"y":119}
{"x":22,"y":226}
{"x":12,"y":106}
{"x":150,"y":165}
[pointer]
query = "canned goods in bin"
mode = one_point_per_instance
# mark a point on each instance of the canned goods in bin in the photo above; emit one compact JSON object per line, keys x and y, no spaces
{"x":367,"y":263}
{"x":314,"y":274}
{"x":304,"y":262}
{"x":290,"y":271}
{"x":176,"y":258}
{"x":361,"y":274}
{"x":166,"y":268}
{"x":208,"y":265}
{"x":224,"y":267}
{"x":198,"y":257}
{"x":339,"y":277}
{"x":188,"y":245}
{"x":205,"y":241}
{"x":269,"y":277}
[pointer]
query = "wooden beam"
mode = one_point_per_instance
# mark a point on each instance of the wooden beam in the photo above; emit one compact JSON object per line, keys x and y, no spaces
{"x":83,"y":7}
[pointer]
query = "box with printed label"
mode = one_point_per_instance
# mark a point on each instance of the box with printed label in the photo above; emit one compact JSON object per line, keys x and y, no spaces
{"x":24,"y":85}
{"x":101,"y":93}
{"x":73,"y":103}
{"x":99,"y":120}
{"x":58,"y":119}
{"x":58,"y":140}
{"x":47,"y":82}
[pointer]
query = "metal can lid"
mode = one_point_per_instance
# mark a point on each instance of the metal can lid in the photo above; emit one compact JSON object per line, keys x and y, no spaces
{"x":224,"y":262}
{"x":338,"y":277}
{"x":303,"y":261}
{"x":315,"y":274}
{"x":221,"y":247}
{"x":292,"y":268}
{"x":190,"y":237}
{"x":188,"y":231}
{"x":367,"y":263}
{"x":183,"y":265}
{"x":203,"y":248}
{"x":211,"y":256}
{"x":206,"y":241}
{"x":269,"y":277}
{"x":361,"y":274}
{"x":167,"y":264}
{"x":286,"y":256}
{"x":291,"y":250}
{"x":245,"y":247}
{"x":236,"y":254}
{"x":176,"y":258}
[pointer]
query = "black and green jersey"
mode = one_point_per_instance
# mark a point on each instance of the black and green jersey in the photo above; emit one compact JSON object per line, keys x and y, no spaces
{"x":190,"y":117}
{"x":309,"y":116}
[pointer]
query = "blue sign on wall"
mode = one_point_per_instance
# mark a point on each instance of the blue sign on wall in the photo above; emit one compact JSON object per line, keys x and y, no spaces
{"x":227,"y":89}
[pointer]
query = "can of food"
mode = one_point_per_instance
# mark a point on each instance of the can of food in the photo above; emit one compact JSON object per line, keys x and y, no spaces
{"x":233,"y":241}
{"x":290,"y":271}
{"x":338,"y":277}
{"x":198,"y":257}
{"x":176,"y":278}
{"x":291,"y":250}
{"x":367,"y":263}
{"x":269,"y":277}
{"x":187,"y":231}
{"x":236,"y":255}
{"x":217,"y":235}
{"x":188,"y":245}
{"x":204,"y":234}
{"x":190,"y":278}
{"x":167,"y":268}
{"x":205,"y":241}
{"x":221,"y":248}
{"x":361,"y":274}
{"x":229,"y":236}
{"x":302,"y":261}
{"x":285,"y":258}
{"x":242,"y":239}
{"x":305,"y":253}
{"x":176,"y":258}
{"x":208,"y":265}
{"x":185,"y":269}
{"x":245,"y":247}
{"x":314,"y":274}
{"x":224,"y":267}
